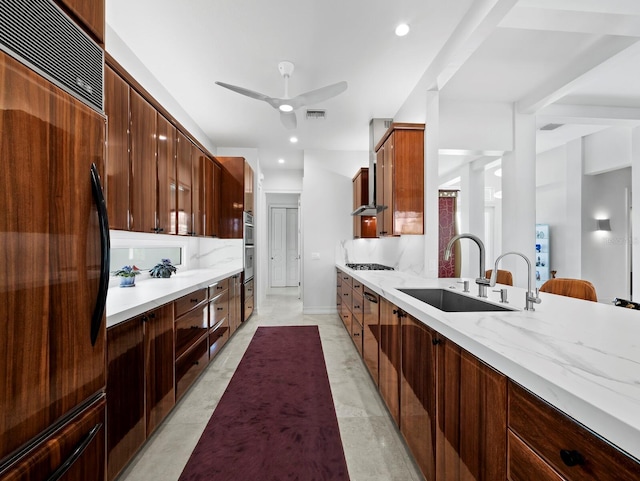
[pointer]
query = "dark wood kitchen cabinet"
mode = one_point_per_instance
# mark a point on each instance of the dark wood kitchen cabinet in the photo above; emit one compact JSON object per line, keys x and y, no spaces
{"x":198,"y":195}
{"x":140,"y":382}
{"x":232,"y":197}
{"x":167,"y":191}
{"x":85,"y":431}
{"x":219,"y":323}
{"x":90,"y":14}
{"x":184,"y":185}
{"x":159,"y":355}
{"x":212,"y":199}
{"x":116,"y":187}
{"x":471,"y":416}
{"x":400,"y":180}
{"x":546,"y":444}
{"x":248,"y":189}
{"x":235,"y":303}
{"x":192,"y":336}
{"x":126,"y":415}
{"x":371,"y":335}
{"x":390,"y":357}
{"x":143,"y":174}
{"x":418,"y":393}
{"x":363,"y":226}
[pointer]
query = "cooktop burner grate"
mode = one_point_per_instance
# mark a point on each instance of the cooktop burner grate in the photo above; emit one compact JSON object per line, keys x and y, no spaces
{"x":369,"y":267}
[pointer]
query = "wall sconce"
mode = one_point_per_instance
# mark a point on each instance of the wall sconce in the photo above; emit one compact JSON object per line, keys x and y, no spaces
{"x":603,"y":224}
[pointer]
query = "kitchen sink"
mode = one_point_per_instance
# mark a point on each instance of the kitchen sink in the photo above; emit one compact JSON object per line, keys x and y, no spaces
{"x":450,"y":301}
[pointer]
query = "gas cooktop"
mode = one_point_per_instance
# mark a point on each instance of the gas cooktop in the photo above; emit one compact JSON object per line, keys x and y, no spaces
{"x":369,"y":267}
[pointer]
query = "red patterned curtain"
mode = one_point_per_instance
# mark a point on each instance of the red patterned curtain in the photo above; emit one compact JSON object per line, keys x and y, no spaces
{"x":447,"y":229}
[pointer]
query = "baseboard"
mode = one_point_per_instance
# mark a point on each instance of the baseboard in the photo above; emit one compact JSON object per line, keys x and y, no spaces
{"x":320,"y":310}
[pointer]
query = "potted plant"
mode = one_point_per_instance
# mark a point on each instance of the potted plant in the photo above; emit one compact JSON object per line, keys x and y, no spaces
{"x":163,"y":269}
{"x":127,"y":275}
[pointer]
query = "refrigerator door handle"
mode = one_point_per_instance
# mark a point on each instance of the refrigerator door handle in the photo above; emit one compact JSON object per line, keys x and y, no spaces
{"x":77,"y":452}
{"x":101,"y":301}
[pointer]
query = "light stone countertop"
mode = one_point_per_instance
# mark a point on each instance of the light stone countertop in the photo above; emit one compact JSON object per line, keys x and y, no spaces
{"x":149,"y":293}
{"x":583,"y":357}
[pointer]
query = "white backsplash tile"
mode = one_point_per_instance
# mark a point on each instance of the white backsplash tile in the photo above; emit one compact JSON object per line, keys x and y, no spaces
{"x":404,"y":253}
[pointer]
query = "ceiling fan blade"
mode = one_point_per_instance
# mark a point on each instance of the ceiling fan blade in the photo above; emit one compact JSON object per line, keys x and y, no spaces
{"x":315,"y":96}
{"x":289,"y":120}
{"x":247,"y":92}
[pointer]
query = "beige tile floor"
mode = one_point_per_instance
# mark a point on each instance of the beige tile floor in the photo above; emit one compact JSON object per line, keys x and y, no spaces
{"x":372,"y":444}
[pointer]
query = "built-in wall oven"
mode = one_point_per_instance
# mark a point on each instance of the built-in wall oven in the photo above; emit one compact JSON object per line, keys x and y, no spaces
{"x":249,"y":248}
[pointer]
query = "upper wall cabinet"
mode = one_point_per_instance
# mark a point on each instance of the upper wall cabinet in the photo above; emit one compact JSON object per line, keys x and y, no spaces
{"x":143,"y":180}
{"x":236,"y":174}
{"x":184,"y":186}
{"x":116,"y":107}
{"x":89,"y":14}
{"x":364,"y":226}
{"x":400,"y":180}
{"x":166,"y":154}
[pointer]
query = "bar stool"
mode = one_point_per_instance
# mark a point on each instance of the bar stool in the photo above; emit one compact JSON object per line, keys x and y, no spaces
{"x":503,"y":277}
{"x":577,"y":288}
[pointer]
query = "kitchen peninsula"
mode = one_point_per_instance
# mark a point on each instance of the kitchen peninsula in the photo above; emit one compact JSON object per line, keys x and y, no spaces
{"x":580,"y":357}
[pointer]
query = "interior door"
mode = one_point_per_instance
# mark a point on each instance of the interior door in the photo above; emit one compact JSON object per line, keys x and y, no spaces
{"x":278,"y":247}
{"x":293,"y":257}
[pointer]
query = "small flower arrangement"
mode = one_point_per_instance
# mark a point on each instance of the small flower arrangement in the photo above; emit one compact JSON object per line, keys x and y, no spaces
{"x":163,"y":269}
{"x":128,"y":275}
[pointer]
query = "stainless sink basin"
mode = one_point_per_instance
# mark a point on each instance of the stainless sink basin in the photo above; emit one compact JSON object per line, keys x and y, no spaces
{"x":450,"y":301}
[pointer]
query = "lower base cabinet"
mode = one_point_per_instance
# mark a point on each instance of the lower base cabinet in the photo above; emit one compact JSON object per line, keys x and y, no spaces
{"x":389,"y":355}
{"x":76,"y":452}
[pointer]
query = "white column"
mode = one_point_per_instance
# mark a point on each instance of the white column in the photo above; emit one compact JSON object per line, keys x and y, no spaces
{"x":519,"y":198}
{"x":635,"y":212}
{"x":471,"y":210}
{"x":572,"y":250}
{"x":431,"y":155}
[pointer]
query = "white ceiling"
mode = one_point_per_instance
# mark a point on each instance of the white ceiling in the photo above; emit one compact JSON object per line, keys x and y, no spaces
{"x":562,"y":59}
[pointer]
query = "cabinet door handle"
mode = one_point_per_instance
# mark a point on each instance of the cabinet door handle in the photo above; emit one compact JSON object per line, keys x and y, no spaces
{"x":356,"y":307}
{"x":219,"y":308}
{"x":194,"y":300}
{"x":75,"y":455}
{"x":345,"y":294}
{"x":571,"y":457}
{"x":105,"y":253}
{"x":370,"y":298}
{"x":436,"y":341}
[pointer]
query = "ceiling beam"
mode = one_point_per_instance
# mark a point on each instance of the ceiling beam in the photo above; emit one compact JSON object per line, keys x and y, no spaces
{"x":533,"y":18}
{"x":590,"y":115}
{"x":605,"y":52}
{"x":478,"y":23}
{"x":622,"y":7}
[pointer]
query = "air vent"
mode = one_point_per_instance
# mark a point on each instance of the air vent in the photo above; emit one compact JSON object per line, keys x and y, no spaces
{"x":40,"y":35}
{"x":551,"y":126}
{"x":316,"y":114}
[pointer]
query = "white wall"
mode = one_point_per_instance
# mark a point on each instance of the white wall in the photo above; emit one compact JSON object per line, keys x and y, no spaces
{"x":551,"y":206}
{"x":605,"y":260}
{"x":327,"y":202}
{"x":284,"y":180}
{"x":607,"y":150}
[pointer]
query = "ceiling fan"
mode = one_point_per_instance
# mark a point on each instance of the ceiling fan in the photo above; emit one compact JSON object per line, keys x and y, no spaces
{"x":287,"y":105}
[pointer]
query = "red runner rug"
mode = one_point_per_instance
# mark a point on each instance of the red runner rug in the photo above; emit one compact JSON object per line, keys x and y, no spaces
{"x":276,"y":420}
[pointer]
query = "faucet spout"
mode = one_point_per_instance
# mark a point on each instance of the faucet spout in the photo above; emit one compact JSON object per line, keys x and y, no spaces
{"x":482,"y":281}
{"x":531,"y":298}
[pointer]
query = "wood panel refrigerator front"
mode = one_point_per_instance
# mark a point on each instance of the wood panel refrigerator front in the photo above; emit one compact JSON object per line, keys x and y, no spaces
{"x":50,"y":245}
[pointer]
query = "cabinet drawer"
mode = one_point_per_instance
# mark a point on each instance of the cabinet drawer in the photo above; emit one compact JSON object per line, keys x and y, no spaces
{"x":356,"y":334}
{"x":346,"y":279}
{"x":248,"y":307}
{"x":339,"y":279}
{"x":525,"y":465}
{"x":85,"y":430}
{"x":218,"y":287}
{"x":561,"y":441}
{"x":347,"y":297}
{"x":188,"y":302}
{"x":191,"y":327}
{"x":357,"y":305}
{"x":218,"y":336}
{"x":358,"y":288}
{"x":189,"y":366}
{"x":219,"y":308}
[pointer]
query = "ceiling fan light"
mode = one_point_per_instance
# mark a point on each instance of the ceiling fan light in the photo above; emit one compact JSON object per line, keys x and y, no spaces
{"x":285,"y":108}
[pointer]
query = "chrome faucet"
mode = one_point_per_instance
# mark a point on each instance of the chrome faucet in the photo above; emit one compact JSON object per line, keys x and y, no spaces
{"x":531,"y":298}
{"x":482,"y":281}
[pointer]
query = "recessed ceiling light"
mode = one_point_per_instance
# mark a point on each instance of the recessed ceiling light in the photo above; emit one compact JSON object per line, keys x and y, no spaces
{"x":402,"y":30}
{"x":498,"y":194}
{"x":286,"y":108}
{"x":281,"y":161}
{"x":498,"y":173}
{"x":293,"y":139}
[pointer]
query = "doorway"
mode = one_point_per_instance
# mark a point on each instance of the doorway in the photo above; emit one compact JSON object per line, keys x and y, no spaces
{"x":284,"y":246}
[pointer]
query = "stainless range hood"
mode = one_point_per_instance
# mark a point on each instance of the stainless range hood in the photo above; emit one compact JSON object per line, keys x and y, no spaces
{"x":377,"y":128}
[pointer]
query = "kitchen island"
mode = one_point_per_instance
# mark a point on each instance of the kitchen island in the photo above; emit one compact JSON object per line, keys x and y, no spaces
{"x":581,"y":357}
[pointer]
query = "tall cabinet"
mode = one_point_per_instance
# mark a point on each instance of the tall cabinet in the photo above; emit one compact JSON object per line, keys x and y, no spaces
{"x":400,"y":180}
{"x":364,"y":226}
